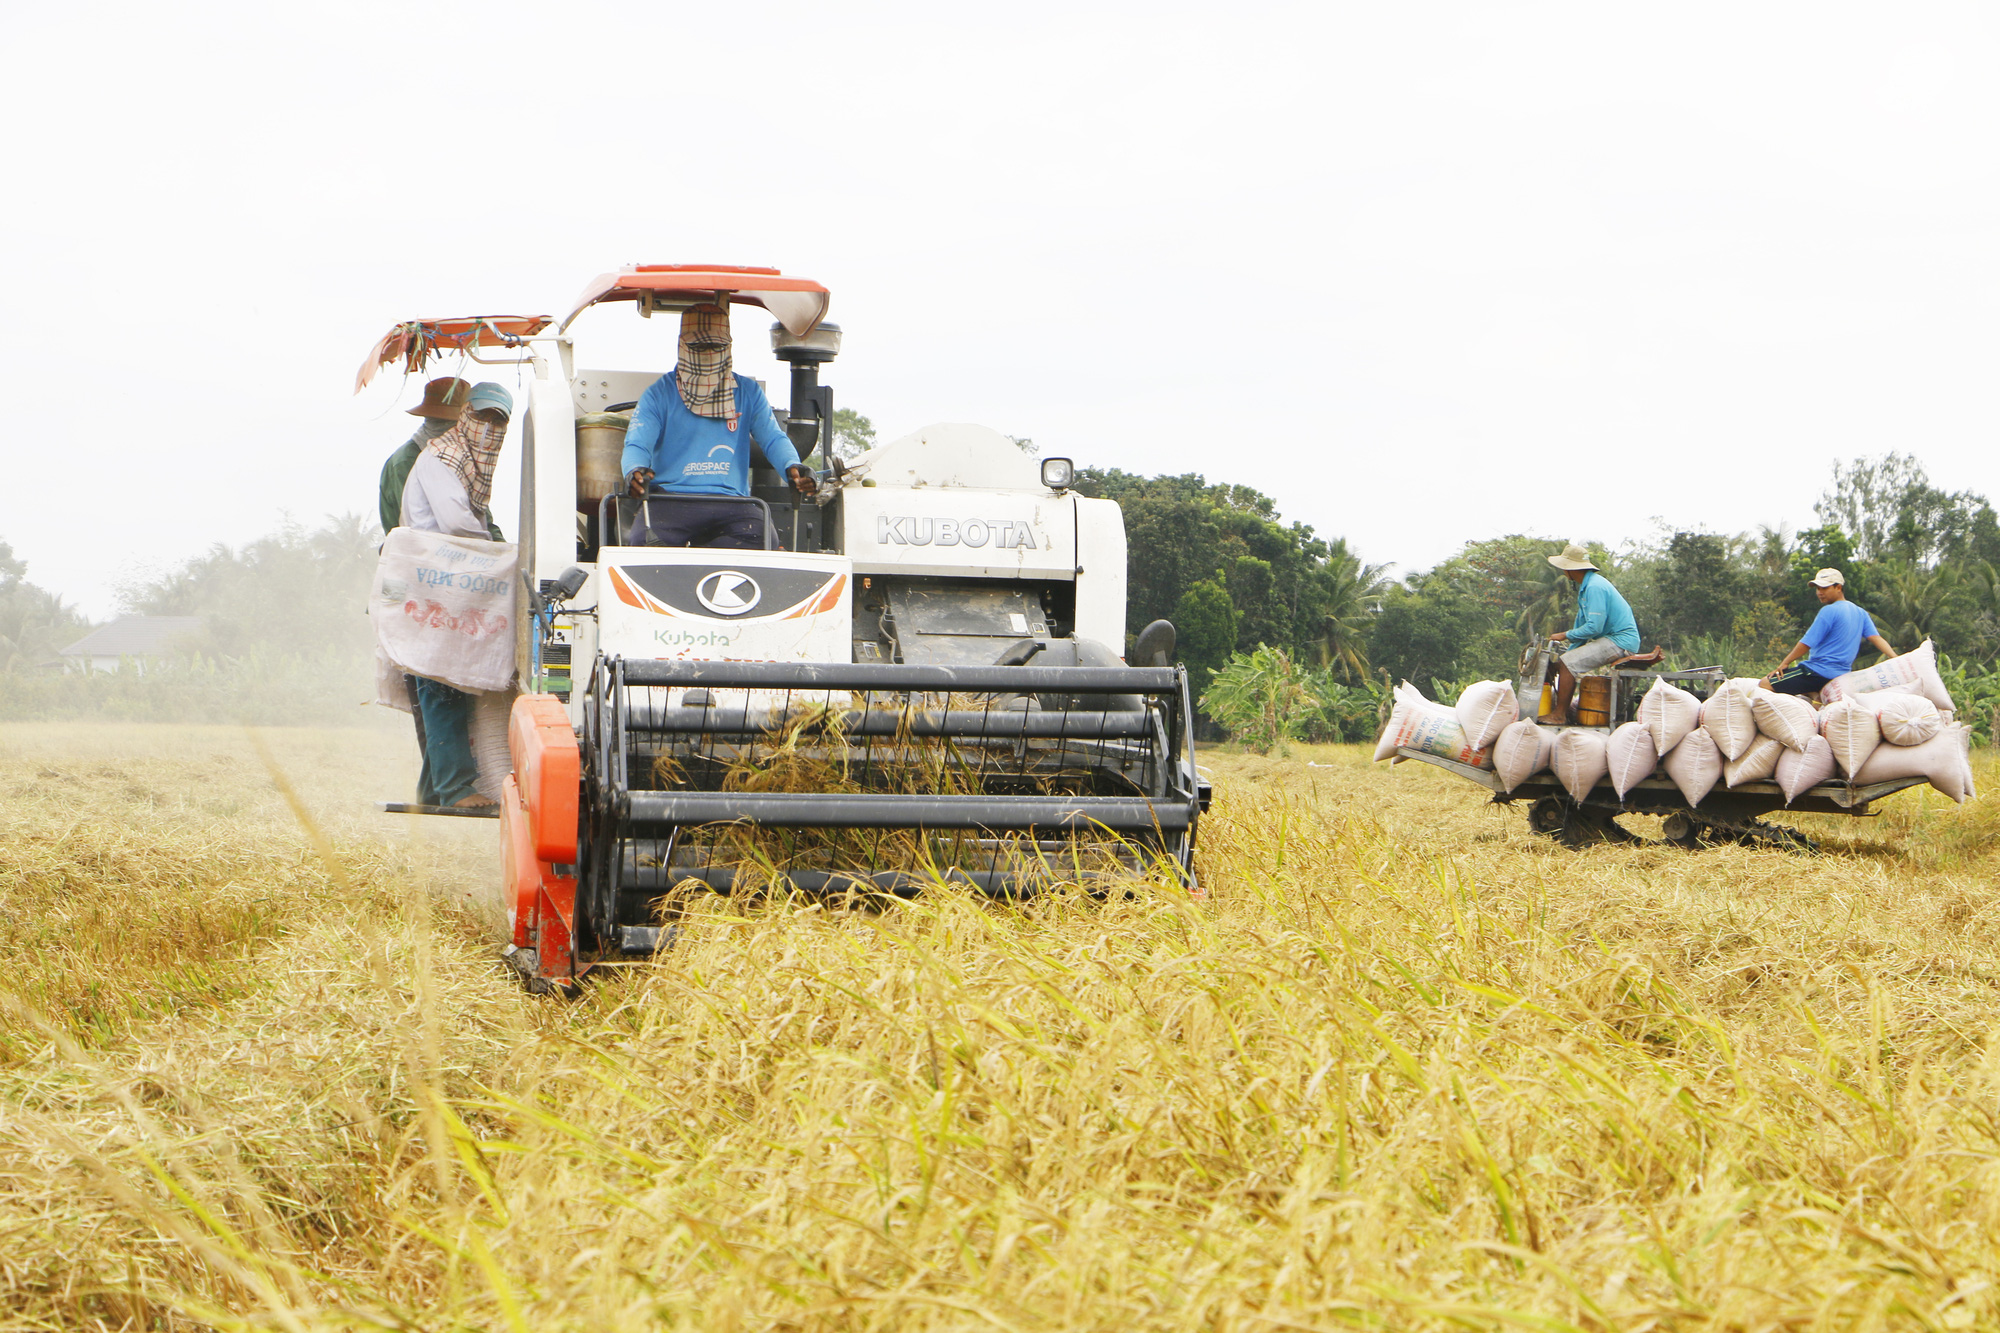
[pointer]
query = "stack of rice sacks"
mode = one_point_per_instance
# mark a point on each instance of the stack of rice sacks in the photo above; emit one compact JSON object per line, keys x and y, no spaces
{"x":1896,"y":721}
{"x":1891,"y":721}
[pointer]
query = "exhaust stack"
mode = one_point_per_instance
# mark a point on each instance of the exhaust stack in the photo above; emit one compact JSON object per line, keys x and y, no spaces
{"x":809,"y":421}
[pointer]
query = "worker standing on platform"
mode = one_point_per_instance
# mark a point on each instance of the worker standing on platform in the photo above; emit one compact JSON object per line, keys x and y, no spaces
{"x":448,"y":491}
{"x":691,"y":434}
{"x":1604,"y":632}
{"x":443,"y":401}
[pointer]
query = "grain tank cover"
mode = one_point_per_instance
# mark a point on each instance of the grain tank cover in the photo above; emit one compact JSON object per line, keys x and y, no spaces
{"x":952,"y":455}
{"x":956,"y":501}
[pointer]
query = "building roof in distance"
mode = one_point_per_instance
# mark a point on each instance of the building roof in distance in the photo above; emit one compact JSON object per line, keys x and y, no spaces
{"x":134,"y":636}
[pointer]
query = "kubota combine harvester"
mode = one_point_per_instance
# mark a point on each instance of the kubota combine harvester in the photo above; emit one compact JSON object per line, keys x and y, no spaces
{"x":921,"y":680}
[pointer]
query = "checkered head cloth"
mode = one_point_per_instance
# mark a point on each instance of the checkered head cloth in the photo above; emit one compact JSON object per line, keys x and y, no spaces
{"x":706,"y":378}
{"x":471,"y":449}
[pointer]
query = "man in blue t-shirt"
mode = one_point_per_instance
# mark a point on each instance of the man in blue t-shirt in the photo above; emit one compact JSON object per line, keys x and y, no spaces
{"x":690,"y":436}
{"x":1829,"y":647}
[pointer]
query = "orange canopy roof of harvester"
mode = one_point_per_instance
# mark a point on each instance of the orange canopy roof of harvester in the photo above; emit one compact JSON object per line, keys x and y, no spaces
{"x":798,"y":303}
{"x":417,"y":341}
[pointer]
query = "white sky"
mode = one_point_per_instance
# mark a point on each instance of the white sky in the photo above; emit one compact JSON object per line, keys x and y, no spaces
{"x":1423,"y":273}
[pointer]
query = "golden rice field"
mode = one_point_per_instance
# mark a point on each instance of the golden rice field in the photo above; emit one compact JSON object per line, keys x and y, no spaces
{"x":1405,"y":1067}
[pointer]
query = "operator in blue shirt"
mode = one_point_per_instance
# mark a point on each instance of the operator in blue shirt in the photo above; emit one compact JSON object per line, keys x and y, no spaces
{"x":1829,"y":647}
{"x":691,"y":435}
{"x":1604,"y":631}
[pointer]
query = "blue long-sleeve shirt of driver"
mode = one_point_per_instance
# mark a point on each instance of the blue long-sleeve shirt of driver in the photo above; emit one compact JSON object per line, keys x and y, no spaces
{"x":1603,"y":613}
{"x":696,"y":455}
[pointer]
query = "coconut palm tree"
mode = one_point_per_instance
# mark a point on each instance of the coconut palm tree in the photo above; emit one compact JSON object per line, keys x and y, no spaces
{"x":34,"y":622}
{"x":1909,"y":599}
{"x":1353,"y":590}
{"x":1547,"y":612}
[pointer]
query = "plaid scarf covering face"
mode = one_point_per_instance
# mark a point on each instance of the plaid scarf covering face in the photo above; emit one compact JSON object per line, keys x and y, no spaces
{"x":471,"y":449}
{"x":706,"y":378}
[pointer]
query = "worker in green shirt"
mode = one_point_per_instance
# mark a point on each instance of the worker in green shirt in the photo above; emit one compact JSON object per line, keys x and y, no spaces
{"x":443,"y":401}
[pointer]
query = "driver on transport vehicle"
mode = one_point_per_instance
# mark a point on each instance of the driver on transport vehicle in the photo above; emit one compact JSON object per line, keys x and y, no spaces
{"x":1604,"y":631}
{"x":688,"y":438}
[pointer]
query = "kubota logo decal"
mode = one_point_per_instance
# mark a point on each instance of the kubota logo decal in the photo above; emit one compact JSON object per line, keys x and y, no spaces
{"x":728,"y":593}
{"x":1005,"y":533}
{"x":681,"y":638}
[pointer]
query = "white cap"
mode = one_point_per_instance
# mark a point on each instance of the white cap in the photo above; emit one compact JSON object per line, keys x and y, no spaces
{"x":1828,"y":578}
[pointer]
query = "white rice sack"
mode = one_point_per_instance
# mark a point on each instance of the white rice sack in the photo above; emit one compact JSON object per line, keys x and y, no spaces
{"x":1579,"y":760}
{"x":491,"y":710}
{"x":1729,"y":719}
{"x":1385,"y":744}
{"x":1418,"y":724}
{"x":1944,"y":761}
{"x":392,"y":687}
{"x":443,"y":607}
{"x":1695,"y":765}
{"x":1629,"y":757}
{"x":1905,"y":719}
{"x":1801,"y":770}
{"x":1521,"y":752}
{"x":1916,"y":669}
{"x":1486,"y":709}
{"x":1760,"y":761}
{"x":1852,"y":733}
{"x":1785,"y":718}
{"x":1668,"y":713}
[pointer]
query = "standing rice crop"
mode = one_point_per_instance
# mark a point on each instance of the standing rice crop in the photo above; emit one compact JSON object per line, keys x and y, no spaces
{"x":1406,"y":1067}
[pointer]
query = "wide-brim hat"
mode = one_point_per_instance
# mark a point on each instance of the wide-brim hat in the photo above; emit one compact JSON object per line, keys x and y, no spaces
{"x":1573,"y":557}
{"x":444,"y":399}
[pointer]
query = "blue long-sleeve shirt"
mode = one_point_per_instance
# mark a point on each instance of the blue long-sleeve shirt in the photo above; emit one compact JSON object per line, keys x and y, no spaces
{"x":697,"y":455}
{"x":1603,"y":613}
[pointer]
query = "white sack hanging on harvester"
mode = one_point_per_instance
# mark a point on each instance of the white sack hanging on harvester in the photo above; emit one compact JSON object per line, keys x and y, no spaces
{"x":443,"y":608}
{"x":751,"y":667}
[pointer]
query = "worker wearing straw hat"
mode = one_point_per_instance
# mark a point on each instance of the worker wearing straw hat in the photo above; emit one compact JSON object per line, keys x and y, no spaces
{"x":444,"y":400}
{"x":1604,"y":631}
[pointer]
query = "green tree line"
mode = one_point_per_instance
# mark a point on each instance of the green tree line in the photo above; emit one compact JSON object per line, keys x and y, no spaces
{"x":34,"y":622}
{"x":1218,"y":561}
{"x":285,"y":637}
{"x":1215,"y":558}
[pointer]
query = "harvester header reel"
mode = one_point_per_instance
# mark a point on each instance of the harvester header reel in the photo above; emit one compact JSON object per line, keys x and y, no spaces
{"x":860,"y":781}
